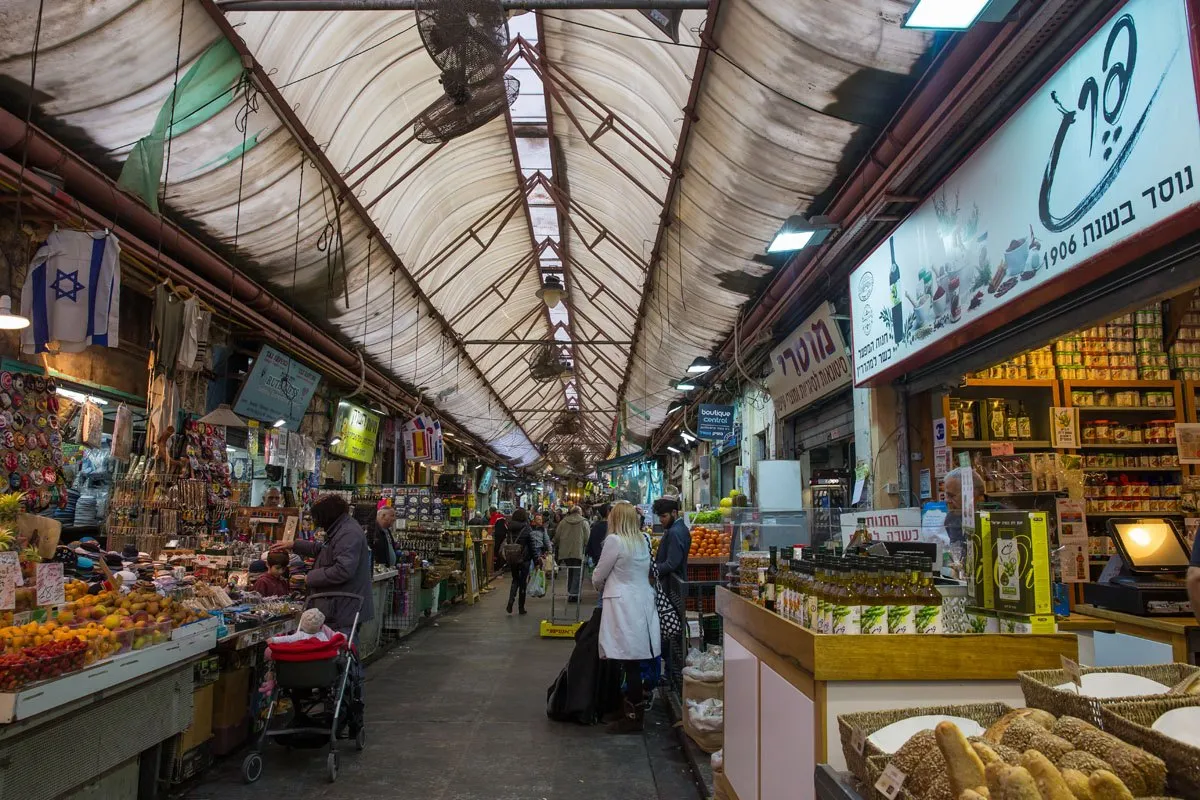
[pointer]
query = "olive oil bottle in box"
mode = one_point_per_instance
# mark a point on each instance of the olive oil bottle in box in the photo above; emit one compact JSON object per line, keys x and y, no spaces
{"x":980,"y":592}
{"x":1020,"y":546}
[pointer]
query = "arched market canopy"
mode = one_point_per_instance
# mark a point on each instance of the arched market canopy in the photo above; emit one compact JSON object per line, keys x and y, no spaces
{"x":292,"y":148}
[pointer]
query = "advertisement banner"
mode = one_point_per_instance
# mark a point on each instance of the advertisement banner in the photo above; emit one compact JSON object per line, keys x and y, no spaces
{"x":809,"y":364}
{"x":278,"y":387}
{"x":1105,"y":149}
{"x":417,"y":443}
{"x":715,"y":422}
{"x":358,"y":429}
{"x":1072,"y":540}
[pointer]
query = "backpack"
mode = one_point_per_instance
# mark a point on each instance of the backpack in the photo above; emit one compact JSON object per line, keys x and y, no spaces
{"x":512,"y":551}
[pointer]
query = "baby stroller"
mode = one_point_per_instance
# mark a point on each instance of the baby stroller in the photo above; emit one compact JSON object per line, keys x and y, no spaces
{"x":313,"y":685}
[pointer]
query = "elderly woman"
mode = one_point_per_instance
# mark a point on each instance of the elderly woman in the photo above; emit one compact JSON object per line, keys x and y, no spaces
{"x":629,"y":632}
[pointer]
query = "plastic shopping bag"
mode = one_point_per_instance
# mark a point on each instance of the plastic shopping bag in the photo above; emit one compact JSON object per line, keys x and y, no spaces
{"x":537,"y":583}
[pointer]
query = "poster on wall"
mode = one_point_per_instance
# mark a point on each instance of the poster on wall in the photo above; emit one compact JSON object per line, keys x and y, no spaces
{"x":355,"y":430}
{"x":1064,"y":427}
{"x":809,"y":364}
{"x":1072,"y":540}
{"x":278,"y":387}
{"x":1103,"y":150}
{"x":1187,"y":441}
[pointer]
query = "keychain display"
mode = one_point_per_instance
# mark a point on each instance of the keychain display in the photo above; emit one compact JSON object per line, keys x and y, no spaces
{"x":30,"y":447}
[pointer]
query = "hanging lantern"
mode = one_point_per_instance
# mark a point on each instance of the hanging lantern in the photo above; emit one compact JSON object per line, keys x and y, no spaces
{"x":552,"y":291}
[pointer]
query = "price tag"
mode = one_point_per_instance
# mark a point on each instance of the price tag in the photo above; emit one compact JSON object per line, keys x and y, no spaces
{"x":890,"y":782}
{"x":50,"y":586}
{"x":10,"y":571}
{"x":858,"y":741}
{"x":1072,"y":669}
{"x":1002,"y":448}
{"x":23,"y":618}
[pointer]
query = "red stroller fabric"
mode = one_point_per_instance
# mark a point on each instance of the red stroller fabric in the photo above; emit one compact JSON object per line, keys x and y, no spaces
{"x":308,"y":649}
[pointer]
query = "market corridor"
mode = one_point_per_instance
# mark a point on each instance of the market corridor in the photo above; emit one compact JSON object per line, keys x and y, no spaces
{"x":457,"y":712}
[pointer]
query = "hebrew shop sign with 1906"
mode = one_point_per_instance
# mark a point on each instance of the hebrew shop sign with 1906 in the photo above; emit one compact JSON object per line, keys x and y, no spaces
{"x":1105,"y":149}
{"x":809,"y":364}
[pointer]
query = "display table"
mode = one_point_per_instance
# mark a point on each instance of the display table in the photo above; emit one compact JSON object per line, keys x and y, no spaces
{"x":785,"y":687}
{"x":1145,"y":640}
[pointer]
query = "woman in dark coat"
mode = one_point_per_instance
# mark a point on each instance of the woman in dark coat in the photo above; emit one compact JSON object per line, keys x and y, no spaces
{"x":520,"y":532}
{"x":499,"y":536}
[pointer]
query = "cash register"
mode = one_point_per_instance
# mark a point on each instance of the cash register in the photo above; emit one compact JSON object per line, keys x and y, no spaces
{"x":1147,"y":578}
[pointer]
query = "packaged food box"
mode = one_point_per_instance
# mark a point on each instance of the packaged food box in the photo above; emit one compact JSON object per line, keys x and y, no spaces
{"x":979,"y":565}
{"x":1033,"y":623}
{"x":1020,"y":547}
{"x":981,"y":620}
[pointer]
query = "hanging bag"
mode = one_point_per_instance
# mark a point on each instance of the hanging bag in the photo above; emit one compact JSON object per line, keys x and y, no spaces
{"x":512,"y":550}
{"x":668,"y":614}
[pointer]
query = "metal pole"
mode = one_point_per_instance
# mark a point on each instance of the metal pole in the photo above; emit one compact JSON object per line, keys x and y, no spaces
{"x":409,"y":5}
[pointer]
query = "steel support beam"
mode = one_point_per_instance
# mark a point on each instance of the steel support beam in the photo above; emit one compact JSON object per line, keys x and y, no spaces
{"x":410,"y":5}
{"x":562,"y":342}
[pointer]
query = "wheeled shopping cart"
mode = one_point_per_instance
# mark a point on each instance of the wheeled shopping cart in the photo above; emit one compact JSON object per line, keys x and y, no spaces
{"x":313,"y":695}
{"x":562,"y":624}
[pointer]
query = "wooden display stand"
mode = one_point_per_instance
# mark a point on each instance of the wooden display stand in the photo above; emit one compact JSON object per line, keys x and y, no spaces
{"x":785,"y":687}
{"x":276,"y":524}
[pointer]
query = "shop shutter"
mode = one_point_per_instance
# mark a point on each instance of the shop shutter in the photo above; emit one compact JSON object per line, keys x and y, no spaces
{"x":829,"y":423}
{"x":1156,"y":276}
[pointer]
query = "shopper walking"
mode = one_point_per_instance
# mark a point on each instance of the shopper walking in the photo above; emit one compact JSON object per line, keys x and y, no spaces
{"x":671,"y":560}
{"x":541,"y":539}
{"x":570,"y":539}
{"x":520,"y":533}
{"x":598,"y":533}
{"x":629,"y":631}
{"x":499,"y":537}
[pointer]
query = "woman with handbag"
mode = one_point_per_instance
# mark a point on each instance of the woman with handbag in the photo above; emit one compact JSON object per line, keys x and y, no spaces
{"x":518,"y":553}
{"x":629,"y":627}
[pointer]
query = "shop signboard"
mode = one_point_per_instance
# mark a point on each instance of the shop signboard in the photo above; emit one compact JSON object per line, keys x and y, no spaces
{"x":1106,"y":148}
{"x":715,"y":422}
{"x":277,"y":388}
{"x":358,"y":429}
{"x":809,"y":364}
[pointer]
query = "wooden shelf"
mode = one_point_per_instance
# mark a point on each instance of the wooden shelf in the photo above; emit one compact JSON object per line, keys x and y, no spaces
{"x":1001,"y":383}
{"x":1021,"y":494}
{"x":1132,"y":446}
{"x":1132,"y":469}
{"x":1134,"y":513}
{"x":1087,"y":384}
{"x":1023,"y":444}
{"x":1169,"y":410}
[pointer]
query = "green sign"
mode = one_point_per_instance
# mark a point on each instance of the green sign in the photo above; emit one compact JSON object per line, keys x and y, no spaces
{"x":354,"y":430}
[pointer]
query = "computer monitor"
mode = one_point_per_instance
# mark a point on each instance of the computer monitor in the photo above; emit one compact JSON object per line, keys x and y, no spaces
{"x":1149,"y":544}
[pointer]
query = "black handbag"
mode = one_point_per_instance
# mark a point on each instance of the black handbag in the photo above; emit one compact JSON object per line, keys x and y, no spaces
{"x":668,"y":615}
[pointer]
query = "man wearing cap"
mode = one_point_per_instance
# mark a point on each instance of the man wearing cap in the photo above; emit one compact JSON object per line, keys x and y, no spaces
{"x":677,"y":539}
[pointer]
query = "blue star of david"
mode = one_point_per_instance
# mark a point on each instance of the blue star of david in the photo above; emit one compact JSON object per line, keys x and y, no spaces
{"x":72,"y":290}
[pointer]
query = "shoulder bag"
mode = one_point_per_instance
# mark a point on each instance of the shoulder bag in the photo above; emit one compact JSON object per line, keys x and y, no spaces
{"x":668,"y":614}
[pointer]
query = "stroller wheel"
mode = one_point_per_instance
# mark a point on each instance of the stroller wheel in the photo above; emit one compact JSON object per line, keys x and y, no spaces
{"x":360,"y":739}
{"x":332,"y":763}
{"x":252,"y":767}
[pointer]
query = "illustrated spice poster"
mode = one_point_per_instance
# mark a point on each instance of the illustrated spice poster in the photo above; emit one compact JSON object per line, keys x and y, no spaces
{"x":30,"y":441}
{"x":207,"y":459}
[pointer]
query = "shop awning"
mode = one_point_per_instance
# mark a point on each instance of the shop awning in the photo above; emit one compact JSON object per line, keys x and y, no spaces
{"x":577,"y":178}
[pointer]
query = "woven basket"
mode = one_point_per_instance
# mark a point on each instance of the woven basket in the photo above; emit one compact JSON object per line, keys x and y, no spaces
{"x":1038,"y":687}
{"x":870,"y":721}
{"x":1131,"y":721}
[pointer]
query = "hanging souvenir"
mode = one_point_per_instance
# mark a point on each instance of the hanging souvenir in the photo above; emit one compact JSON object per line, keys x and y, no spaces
{"x":122,"y":435}
{"x":92,"y":425}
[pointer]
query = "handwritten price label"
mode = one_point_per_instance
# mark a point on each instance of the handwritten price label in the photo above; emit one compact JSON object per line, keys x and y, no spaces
{"x":50,"y":586}
{"x":890,"y":782}
{"x":858,"y":741}
{"x":1072,"y":669}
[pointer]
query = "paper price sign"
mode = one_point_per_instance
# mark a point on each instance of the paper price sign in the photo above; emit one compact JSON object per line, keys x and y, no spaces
{"x":1072,"y":669}
{"x":50,"y":587}
{"x":890,"y":782}
{"x":858,"y":741}
{"x":10,"y":570}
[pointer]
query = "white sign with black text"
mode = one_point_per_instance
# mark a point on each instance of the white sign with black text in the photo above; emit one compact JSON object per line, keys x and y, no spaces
{"x":809,"y":364}
{"x":1104,"y":149}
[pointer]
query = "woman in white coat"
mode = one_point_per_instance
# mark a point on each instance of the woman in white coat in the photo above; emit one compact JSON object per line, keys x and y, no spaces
{"x":629,"y":621}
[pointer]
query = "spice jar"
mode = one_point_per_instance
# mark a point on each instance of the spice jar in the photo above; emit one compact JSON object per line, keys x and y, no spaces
{"x":1119,"y":432}
{"x":1089,"y":433}
{"x":1103,"y":431}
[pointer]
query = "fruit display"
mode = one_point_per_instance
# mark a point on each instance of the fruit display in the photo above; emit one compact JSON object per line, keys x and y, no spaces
{"x":1027,"y":754}
{"x":707,"y":517}
{"x":710,"y":543}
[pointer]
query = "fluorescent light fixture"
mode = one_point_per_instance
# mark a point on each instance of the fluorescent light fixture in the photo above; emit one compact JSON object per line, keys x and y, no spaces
{"x":798,"y":233}
{"x":687,"y":437}
{"x":335,"y":441}
{"x":448,"y":434}
{"x":279,"y":423}
{"x":700,"y":366}
{"x":673,"y":449}
{"x":8,"y":320}
{"x":677,"y":405}
{"x":80,"y":397}
{"x":686,"y":385}
{"x":945,"y":15}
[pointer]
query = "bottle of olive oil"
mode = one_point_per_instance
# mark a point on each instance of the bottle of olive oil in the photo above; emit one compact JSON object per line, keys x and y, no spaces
{"x":847,"y":608}
{"x":771,"y":586}
{"x":900,"y":605}
{"x":928,"y":618}
{"x":810,"y":594}
{"x":873,"y":619}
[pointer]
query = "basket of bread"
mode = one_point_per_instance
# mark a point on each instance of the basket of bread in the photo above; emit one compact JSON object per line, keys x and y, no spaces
{"x":1167,"y":727}
{"x":1028,"y":754}
{"x":1055,"y":691}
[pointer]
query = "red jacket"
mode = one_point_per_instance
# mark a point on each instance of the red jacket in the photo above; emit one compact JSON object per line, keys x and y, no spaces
{"x":269,"y":585}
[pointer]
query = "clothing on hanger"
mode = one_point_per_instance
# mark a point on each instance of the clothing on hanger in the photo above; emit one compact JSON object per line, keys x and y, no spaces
{"x":72,"y":293}
{"x":167,"y":329}
{"x":196,"y":320}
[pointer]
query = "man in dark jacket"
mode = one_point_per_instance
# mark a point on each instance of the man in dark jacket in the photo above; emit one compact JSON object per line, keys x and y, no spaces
{"x":520,"y":532}
{"x":570,"y":538}
{"x":343,"y":563}
{"x":379,"y":535}
{"x":599,"y":531}
{"x":499,"y":536}
{"x":677,"y":539}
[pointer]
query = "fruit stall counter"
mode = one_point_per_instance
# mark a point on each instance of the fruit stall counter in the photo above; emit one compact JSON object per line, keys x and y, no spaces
{"x":785,"y":687}
{"x":1157,"y":640}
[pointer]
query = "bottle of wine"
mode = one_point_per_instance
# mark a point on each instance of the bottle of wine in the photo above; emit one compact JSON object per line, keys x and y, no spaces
{"x":896,"y":292}
{"x":772,"y":584}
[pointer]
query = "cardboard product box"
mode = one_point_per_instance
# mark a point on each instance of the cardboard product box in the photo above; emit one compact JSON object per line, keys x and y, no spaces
{"x":187,"y":764}
{"x":1036,"y":623}
{"x":981,"y":620}
{"x":231,"y":698}
{"x":979,"y":565}
{"x":1020,"y":546}
{"x":201,"y":729}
